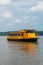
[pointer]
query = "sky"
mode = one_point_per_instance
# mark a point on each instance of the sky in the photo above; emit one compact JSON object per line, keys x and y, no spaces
{"x":21,"y":14}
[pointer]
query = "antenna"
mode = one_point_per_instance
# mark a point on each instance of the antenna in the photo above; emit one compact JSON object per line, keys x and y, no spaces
{"x":27,"y":25}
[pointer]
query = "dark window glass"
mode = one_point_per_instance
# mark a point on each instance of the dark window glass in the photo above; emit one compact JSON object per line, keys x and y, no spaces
{"x":30,"y":31}
{"x":14,"y":34}
{"x":10,"y":35}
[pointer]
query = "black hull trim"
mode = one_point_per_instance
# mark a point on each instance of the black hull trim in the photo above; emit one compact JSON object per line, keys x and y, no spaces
{"x":23,"y":40}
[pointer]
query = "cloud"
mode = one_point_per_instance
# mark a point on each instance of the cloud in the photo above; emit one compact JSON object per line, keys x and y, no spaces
{"x":19,"y":9}
{"x":35,"y":24}
{"x":2,"y":2}
{"x":7,"y":15}
{"x":25,"y":17}
{"x":1,"y":20}
{"x":16,"y":4}
{"x":38,"y":7}
{"x":27,"y":22}
{"x":34,"y":17}
{"x":1,"y":9}
{"x":9,"y":24}
{"x":24,"y":2}
{"x":18,"y":20}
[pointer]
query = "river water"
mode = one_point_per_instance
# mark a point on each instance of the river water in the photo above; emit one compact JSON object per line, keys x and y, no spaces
{"x":21,"y":53}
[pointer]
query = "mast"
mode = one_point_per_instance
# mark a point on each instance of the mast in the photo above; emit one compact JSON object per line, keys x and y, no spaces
{"x":28,"y":25}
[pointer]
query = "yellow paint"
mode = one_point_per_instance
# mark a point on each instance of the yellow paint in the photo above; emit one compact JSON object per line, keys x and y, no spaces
{"x":23,"y":35}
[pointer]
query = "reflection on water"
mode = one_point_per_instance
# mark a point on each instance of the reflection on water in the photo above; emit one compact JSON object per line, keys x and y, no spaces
{"x":21,"y":53}
{"x":29,"y":47}
{"x":23,"y":48}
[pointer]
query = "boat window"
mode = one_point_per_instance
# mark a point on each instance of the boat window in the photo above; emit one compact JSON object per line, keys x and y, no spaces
{"x":10,"y":35}
{"x":18,"y":34}
{"x":14,"y":34}
{"x":30,"y":31}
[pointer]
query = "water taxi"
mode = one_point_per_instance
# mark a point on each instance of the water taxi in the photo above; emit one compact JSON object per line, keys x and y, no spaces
{"x":23,"y":35}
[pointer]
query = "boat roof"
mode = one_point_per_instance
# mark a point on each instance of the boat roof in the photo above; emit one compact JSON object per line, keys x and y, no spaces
{"x":27,"y":30}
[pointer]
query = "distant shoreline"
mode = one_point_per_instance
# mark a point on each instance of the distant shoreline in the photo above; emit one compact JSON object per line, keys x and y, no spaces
{"x":40,"y":33}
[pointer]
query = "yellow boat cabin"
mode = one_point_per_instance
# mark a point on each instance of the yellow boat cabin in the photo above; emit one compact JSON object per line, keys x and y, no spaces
{"x":23,"y":35}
